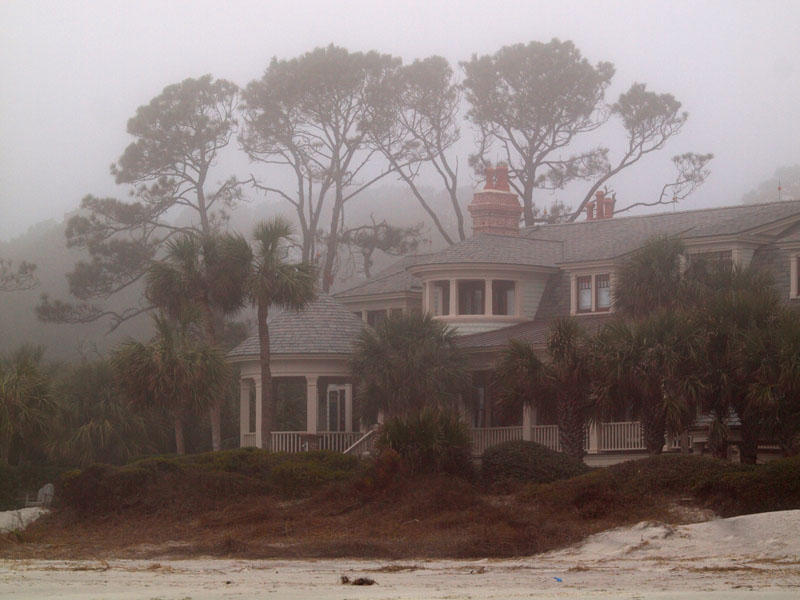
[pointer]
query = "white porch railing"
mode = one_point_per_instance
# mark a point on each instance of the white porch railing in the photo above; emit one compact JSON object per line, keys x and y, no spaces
{"x":486,"y":437}
{"x":293,"y":441}
{"x":546,"y":435}
{"x":365,"y":444}
{"x":610,"y":437}
{"x":338,"y":441}
{"x":624,"y":435}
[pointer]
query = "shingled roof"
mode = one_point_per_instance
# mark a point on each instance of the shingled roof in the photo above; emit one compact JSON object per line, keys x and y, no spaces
{"x":394,"y":278}
{"x":498,"y":249}
{"x":323,"y":327}
{"x":605,"y":239}
{"x":533,"y":332}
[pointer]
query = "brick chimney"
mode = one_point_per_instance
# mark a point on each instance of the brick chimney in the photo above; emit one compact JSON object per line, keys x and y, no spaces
{"x":495,"y":209}
{"x":604,"y":205}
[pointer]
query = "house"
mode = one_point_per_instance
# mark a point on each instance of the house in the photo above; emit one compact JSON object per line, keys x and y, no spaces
{"x":503,"y":283}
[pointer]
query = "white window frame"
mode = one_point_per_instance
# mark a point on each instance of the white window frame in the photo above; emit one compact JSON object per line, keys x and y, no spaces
{"x":593,"y":279}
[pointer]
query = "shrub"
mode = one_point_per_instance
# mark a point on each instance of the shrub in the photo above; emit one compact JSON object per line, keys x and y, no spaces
{"x":526,"y":462}
{"x":629,"y":489}
{"x":198,"y":481}
{"x":431,"y":441}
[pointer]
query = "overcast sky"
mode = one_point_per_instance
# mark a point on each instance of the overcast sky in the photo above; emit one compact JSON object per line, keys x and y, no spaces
{"x":73,"y":73}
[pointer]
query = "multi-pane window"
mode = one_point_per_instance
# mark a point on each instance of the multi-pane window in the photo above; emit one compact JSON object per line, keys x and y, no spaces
{"x":603,"y":292}
{"x":375,"y":317}
{"x":585,"y":293}
{"x":592,"y":293}
{"x":503,"y":297}
{"x":441,"y":298}
{"x":471,"y":297}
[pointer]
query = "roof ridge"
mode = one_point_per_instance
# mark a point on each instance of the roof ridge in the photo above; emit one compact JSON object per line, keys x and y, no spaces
{"x":532,"y":228}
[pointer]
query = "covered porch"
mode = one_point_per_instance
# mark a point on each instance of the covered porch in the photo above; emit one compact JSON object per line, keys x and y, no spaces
{"x":328,"y":417}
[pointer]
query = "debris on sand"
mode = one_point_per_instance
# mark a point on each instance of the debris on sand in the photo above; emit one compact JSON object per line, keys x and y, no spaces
{"x":358,"y":581}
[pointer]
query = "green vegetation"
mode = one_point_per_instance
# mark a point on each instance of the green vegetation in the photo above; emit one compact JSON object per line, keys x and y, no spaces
{"x":201,"y":481}
{"x":430,"y":441}
{"x":408,"y":362}
{"x":513,"y":463}
{"x":628,"y":490}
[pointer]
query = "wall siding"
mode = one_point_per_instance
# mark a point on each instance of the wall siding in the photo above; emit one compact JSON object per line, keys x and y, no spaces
{"x":532,"y":291}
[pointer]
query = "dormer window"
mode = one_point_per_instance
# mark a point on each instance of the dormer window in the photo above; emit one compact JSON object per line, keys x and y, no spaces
{"x":585,"y":293}
{"x":503,"y":299}
{"x":591,"y":293}
{"x":441,"y":298}
{"x":471,"y":297}
{"x":602,"y":292}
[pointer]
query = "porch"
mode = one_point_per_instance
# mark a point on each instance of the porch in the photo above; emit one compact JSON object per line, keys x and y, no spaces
{"x":603,"y":441}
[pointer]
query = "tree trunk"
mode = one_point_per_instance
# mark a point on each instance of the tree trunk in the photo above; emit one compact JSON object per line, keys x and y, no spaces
{"x":748,"y":449}
{"x":215,"y":414}
{"x":571,"y":429}
{"x":267,"y":407}
{"x":215,"y":409}
{"x":5,"y":449}
{"x":654,"y":425}
{"x":180,"y":448}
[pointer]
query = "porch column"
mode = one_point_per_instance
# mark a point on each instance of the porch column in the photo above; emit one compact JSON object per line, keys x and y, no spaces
{"x":453,"y":299}
{"x":259,"y":435}
{"x":244,"y":409}
{"x":527,"y":422}
{"x":312,"y":401}
{"x":348,"y":407}
{"x":594,"y":439}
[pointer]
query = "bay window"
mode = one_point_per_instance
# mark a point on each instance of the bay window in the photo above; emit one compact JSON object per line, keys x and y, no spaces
{"x":471,"y":297}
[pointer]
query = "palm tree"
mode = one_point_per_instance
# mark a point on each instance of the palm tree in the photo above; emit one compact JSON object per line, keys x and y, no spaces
{"x":775,"y":392}
{"x":651,"y":278}
{"x":175,"y":371}
{"x":520,"y":379}
{"x":569,"y":381}
{"x":273,"y":281}
{"x":26,"y":407}
{"x":737,"y":312}
{"x":406,"y":363}
{"x":205,"y":274}
{"x":95,"y":424}
{"x":650,"y":368}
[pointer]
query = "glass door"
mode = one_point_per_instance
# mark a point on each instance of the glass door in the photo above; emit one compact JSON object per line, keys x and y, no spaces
{"x":336,"y":408}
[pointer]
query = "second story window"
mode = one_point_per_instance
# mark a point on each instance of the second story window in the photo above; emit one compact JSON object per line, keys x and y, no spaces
{"x":794,"y":276}
{"x":471,"y":297}
{"x":503,"y":297}
{"x":602,"y":291}
{"x":585,"y":293}
{"x":441,"y":298}
{"x":591,"y":293}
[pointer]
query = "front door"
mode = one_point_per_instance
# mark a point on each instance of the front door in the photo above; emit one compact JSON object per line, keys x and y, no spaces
{"x":336,"y":407}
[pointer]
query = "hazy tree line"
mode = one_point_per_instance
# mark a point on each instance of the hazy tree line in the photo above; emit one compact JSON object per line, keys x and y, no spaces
{"x":323,"y":128}
{"x":338,"y":123}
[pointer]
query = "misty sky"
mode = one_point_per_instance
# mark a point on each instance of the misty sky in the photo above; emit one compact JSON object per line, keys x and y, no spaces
{"x":73,"y":73}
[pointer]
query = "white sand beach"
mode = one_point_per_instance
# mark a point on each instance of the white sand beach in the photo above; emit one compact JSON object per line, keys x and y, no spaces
{"x":752,"y":556}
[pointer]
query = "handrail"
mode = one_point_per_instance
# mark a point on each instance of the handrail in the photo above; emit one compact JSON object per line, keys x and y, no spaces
{"x":362,"y":440}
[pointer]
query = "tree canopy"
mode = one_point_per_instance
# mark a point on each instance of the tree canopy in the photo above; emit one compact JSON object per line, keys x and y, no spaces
{"x":179,"y":135}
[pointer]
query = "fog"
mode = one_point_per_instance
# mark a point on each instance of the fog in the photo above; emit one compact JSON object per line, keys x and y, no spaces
{"x":73,"y":73}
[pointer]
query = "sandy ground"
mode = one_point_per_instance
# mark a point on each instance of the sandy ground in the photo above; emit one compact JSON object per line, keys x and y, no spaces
{"x":753,"y":556}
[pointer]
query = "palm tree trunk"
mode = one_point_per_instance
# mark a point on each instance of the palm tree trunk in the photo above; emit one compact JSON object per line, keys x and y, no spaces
{"x":748,"y":449}
{"x":267,"y":408}
{"x":180,"y":448}
{"x":215,"y":410}
{"x":654,"y":425}
{"x":570,"y":429}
